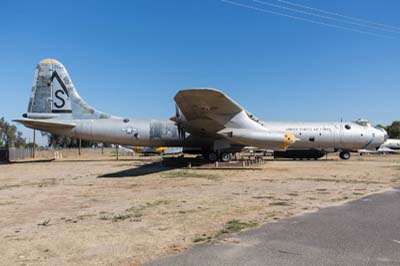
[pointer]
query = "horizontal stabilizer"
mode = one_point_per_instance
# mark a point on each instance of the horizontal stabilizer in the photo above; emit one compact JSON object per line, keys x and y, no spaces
{"x":43,"y":124}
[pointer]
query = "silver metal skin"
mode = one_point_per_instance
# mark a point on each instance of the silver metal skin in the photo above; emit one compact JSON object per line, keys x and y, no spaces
{"x":207,"y":121}
{"x":55,"y":106}
{"x":327,"y":136}
{"x":312,"y":139}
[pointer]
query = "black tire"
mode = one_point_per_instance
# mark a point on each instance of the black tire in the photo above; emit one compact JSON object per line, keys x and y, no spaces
{"x":344,"y":155}
{"x":226,"y":157}
{"x":212,"y":157}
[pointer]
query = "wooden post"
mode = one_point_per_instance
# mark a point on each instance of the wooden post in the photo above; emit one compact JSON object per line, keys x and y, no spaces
{"x":80,"y":146}
{"x":34,"y":143}
{"x":102,"y":149}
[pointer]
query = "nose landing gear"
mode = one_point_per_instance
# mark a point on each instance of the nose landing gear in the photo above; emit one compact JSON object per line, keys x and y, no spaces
{"x":344,"y":155}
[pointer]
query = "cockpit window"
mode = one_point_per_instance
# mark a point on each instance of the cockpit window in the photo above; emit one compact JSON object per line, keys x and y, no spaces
{"x":347,"y":127}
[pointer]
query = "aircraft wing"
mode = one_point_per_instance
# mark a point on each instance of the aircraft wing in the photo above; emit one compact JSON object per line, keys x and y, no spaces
{"x":210,"y":113}
{"x":44,"y":124}
{"x":205,"y":111}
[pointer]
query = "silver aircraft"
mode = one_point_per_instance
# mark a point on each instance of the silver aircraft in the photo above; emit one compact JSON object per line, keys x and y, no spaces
{"x":200,"y":111}
{"x":393,"y":144}
{"x":56,"y":107}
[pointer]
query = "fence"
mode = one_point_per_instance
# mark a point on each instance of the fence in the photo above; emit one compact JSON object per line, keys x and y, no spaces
{"x":15,"y":154}
{"x":21,"y":154}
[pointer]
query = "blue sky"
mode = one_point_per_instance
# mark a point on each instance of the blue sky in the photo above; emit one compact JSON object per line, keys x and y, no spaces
{"x":130,"y":58}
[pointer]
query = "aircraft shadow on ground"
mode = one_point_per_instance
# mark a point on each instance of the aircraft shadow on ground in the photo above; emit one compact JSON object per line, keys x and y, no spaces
{"x":176,"y":163}
{"x":146,"y":169}
{"x":152,"y":168}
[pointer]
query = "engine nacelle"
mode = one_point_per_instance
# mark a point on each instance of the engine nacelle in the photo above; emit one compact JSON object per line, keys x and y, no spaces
{"x":276,"y":140}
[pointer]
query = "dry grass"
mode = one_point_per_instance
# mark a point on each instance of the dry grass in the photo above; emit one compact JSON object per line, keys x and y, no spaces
{"x":62,"y":213}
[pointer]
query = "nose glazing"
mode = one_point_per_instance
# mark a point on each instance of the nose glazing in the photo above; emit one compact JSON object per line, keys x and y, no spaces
{"x":381,"y":136}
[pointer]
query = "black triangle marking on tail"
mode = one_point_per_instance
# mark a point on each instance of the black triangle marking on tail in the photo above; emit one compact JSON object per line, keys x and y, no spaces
{"x":55,"y":75}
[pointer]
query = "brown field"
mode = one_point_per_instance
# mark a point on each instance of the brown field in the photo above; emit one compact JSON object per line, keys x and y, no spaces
{"x":107,"y":212}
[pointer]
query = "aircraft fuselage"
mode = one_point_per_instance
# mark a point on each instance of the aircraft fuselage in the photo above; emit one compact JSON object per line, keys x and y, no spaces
{"x":331,"y":136}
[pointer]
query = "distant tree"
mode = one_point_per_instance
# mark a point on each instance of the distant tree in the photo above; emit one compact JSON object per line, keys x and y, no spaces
{"x":66,"y":142}
{"x":30,"y":145}
{"x":381,"y":126}
{"x":394,"y":130}
{"x":9,"y":135}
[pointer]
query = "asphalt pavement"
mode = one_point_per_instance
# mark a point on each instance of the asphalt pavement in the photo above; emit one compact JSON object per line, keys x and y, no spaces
{"x":362,"y":232}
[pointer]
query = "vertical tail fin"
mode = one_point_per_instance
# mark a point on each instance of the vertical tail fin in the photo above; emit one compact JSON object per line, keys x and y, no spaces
{"x":54,"y":94}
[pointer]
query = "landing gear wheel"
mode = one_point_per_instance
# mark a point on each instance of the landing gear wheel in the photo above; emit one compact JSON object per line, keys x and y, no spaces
{"x":226,"y":157}
{"x":212,"y":157}
{"x":344,"y":155}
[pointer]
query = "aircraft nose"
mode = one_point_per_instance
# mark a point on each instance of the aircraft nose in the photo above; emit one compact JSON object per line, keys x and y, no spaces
{"x":382,"y":133}
{"x":381,"y":136}
{"x":385,"y":136}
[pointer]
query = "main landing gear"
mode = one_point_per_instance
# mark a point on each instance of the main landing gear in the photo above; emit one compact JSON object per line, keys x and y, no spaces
{"x":344,"y":155}
{"x":223,"y":157}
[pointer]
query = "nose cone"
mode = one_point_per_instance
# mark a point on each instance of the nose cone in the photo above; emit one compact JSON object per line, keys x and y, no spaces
{"x":385,"y":135}
{"x":381,"y":137}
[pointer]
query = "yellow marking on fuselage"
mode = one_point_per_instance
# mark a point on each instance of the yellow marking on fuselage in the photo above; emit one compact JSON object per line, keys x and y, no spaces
{"x":161,"y":149}
{"x":289,"y":139}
